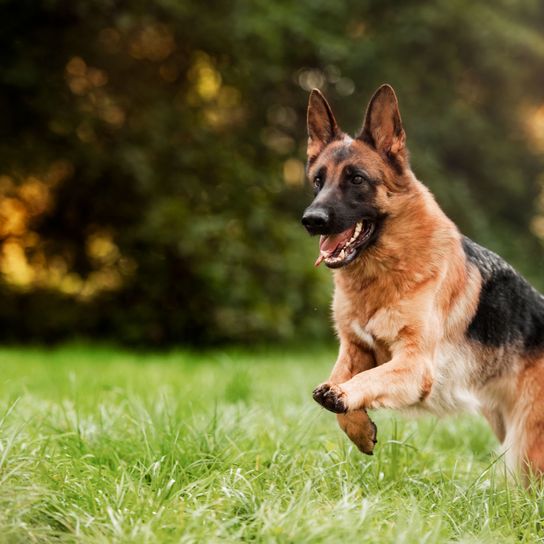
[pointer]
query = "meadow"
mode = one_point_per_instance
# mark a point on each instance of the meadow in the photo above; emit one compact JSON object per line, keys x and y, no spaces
{"x":103,"y":445}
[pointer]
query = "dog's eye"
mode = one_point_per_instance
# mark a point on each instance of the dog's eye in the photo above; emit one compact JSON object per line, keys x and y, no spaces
{"x":317,"y":182}
{"x":357,"y":180}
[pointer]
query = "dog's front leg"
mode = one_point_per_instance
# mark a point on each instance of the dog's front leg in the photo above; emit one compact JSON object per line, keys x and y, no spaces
{"x":360,"y":429}
{"x":403,"y":381}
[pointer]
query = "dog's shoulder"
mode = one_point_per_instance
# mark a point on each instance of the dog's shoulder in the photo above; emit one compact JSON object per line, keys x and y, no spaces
{"x":486,"y":260}
{"x":510,"y":312}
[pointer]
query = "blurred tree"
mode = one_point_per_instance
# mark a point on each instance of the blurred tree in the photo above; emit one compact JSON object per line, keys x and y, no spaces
{"x":152,"y":152}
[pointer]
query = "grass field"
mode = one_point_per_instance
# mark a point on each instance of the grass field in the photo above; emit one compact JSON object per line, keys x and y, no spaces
{"x":101,"y":445}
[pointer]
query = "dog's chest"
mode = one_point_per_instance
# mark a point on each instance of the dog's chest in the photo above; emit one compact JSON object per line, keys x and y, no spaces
{"x":452,"y":369}
{"x":452,"y":364}
{"x":362,"y":334}
{"x":359,"y":317}
{"x":376,"y":345}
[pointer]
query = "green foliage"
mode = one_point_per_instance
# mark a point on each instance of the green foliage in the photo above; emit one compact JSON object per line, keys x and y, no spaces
{"x":110,"y":446}
{"x":175,"y":121}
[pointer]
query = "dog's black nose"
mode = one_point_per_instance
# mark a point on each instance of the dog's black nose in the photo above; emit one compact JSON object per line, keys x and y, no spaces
{"x":316,"y":220}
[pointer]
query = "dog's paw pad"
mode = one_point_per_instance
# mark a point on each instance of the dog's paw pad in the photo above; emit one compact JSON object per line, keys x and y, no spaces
{"x":331,"y":397}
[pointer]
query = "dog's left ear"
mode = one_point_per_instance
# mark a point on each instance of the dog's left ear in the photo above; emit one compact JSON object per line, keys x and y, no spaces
{"x":382,"y":128}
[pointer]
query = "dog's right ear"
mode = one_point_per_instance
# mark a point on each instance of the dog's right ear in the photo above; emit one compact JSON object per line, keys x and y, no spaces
{"x":322,"y":126}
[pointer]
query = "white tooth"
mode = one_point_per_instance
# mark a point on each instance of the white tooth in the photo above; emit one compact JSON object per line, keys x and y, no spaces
{"x":355,"y":234}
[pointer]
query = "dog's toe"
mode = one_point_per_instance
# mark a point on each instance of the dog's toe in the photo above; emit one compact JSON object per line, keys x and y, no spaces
{"x":331,"y":397}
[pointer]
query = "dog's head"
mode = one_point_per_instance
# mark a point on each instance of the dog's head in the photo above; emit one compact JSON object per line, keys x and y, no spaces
{"x":354,"y":179}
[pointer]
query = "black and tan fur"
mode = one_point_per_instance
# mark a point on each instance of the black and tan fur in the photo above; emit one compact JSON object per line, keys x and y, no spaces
{"x":427,"y":319}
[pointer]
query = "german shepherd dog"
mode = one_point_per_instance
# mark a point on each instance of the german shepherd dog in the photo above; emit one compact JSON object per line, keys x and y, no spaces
{"x":426,"y":318}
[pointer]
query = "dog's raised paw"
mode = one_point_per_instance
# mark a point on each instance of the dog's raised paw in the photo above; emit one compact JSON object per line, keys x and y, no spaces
{"x":331,"y":397}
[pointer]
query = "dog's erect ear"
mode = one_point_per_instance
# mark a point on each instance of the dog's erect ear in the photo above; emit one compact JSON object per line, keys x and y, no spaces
{"x":322,"y":126}
{"x":382,"y":128}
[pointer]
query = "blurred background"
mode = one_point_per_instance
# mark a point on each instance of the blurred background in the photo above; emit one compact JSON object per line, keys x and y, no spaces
{"x":152,"y":153}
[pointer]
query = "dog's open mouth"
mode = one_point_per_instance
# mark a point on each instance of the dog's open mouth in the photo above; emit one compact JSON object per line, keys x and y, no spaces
{"x":338,"y":250}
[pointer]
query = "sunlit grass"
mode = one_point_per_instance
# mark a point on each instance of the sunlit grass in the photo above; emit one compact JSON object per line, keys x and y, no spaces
{"x":99,"y":445}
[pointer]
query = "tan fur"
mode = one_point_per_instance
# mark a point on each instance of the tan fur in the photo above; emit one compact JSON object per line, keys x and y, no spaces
{"x":352,"y":360}
{"x":530,"y":404}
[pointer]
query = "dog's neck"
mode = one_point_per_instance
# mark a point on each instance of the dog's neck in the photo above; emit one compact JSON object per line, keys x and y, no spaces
{"x":412,"y":245}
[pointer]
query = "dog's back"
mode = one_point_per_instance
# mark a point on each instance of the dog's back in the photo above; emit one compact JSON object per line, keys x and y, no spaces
{"x":510,"y":312}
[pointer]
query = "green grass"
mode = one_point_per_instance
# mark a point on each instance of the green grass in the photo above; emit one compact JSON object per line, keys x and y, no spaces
{"x":101,"y":445}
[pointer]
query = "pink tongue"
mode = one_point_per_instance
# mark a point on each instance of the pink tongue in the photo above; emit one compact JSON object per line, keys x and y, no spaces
{"x":329,"y":244}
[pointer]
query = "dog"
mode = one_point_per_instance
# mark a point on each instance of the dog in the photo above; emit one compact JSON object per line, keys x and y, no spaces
{"x":426,"y":318}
